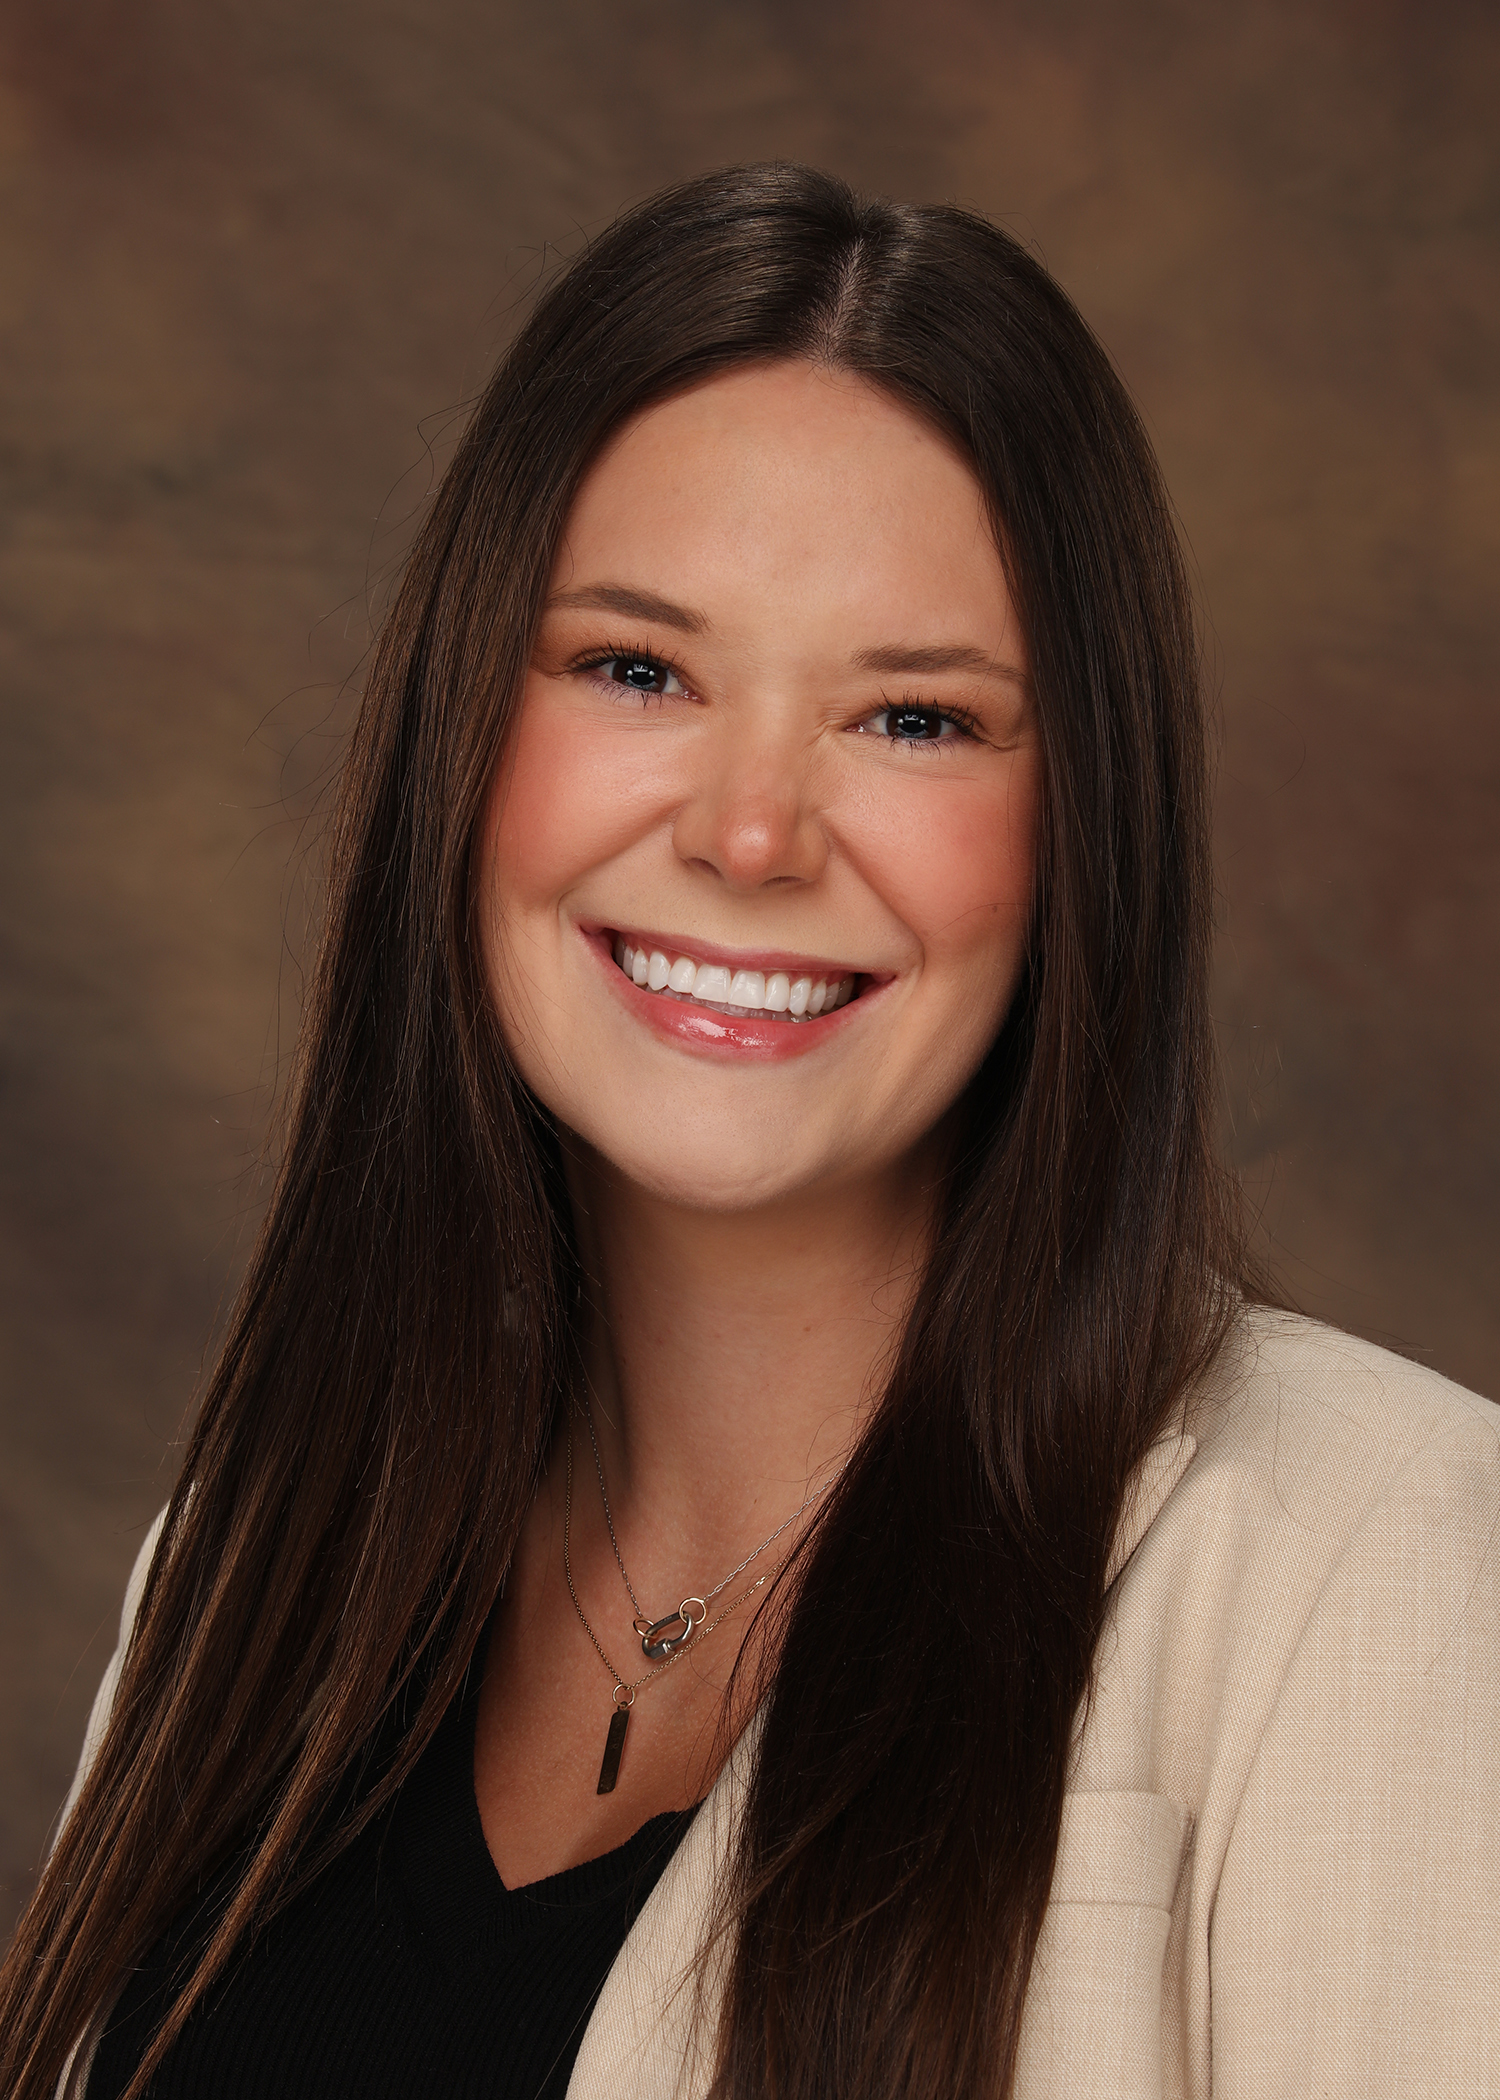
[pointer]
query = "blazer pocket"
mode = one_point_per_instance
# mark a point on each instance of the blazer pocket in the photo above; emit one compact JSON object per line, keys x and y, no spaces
{"x":1093,"y":2020}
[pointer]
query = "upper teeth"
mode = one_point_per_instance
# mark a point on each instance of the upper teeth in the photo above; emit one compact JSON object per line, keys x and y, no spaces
{"x":752,"y":991}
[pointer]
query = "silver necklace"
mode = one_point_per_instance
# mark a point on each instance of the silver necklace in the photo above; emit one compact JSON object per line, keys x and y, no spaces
{"x":656,"y":1635}
{"x":660,"y":1646}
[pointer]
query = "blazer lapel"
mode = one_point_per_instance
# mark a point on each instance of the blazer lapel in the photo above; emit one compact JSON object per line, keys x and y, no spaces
{"x":653,"y":2029}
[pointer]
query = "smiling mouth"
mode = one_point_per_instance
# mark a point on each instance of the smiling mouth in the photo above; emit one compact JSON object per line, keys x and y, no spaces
{"x":774,"y":995}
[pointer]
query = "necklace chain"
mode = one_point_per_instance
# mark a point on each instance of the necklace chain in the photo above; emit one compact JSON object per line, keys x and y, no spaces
{"x":709,"y":1595}
{"x":697,"y":1634}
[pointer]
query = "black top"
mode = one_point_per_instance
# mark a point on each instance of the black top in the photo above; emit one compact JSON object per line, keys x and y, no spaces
{"x":406,"y":1969}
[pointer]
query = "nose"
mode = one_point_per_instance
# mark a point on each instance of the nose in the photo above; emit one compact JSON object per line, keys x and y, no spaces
{"x":751,"y":818}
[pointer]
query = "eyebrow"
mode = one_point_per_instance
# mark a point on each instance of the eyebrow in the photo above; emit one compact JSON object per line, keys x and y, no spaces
{"x":631,"y":604}
{"x":941,"y":656}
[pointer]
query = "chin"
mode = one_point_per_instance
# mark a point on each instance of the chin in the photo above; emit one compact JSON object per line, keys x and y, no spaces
{"x":725,"y":1179}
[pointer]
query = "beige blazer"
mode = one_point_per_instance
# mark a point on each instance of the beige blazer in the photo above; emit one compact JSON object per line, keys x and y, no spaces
{"x":1279,"y":1872}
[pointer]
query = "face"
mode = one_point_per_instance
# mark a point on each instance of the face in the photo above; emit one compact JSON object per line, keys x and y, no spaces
{"x":758,"y":858}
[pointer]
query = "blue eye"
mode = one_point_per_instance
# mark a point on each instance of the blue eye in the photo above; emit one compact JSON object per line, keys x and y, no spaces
{"x":913,"y":725}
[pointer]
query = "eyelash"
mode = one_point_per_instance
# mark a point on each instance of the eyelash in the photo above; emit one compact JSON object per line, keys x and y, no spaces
{"x":912,"y":703}
{"x":616,"y":652}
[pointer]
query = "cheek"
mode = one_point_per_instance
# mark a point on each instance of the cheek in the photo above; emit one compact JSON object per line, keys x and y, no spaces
{"x":956,"y":864}
{"x":566,"y":799}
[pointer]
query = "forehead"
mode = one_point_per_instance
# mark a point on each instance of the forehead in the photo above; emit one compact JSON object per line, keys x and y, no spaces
{"x":791,"y":487}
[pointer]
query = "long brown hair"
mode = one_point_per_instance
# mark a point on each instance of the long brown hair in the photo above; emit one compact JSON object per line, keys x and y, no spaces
{"x":372,"y":1435}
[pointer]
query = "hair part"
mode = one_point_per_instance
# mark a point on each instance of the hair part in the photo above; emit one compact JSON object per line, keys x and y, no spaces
{"x":371,"y":1437}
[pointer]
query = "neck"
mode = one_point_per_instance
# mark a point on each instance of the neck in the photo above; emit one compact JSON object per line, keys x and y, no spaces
{"x":732,"y":1358}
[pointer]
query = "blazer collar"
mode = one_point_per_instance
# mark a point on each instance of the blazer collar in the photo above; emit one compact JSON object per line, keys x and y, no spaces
{"x":1146,"y":1490}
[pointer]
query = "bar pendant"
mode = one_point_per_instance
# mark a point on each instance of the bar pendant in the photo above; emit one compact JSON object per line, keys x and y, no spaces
{"x":614,"y":1743}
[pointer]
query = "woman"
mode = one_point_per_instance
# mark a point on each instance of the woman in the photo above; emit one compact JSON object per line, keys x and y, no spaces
{"x":754,"y":1531}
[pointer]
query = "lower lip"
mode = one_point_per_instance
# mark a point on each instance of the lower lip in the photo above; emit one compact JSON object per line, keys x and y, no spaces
{"x":723,"y":1035}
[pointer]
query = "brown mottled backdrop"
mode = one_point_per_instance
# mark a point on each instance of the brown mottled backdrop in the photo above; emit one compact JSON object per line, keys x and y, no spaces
{"x":254,"y":258}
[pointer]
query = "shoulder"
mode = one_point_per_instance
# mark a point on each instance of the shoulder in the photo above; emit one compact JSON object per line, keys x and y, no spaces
{"x":135,"y":1587}
{"x":1334,"y":1509}
{"x":1308,"y":1430}
{"x":104,"y":1698}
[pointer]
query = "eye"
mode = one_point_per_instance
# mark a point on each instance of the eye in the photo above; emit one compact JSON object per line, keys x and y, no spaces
{"x":636,"y":672}
{"x":911,"y":723}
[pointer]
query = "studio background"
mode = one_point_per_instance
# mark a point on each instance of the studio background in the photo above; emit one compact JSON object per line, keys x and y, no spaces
{"x":255,"y":259}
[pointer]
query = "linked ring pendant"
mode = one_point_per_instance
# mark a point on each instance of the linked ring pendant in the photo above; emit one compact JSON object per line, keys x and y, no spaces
{"x":662,"y":1637}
